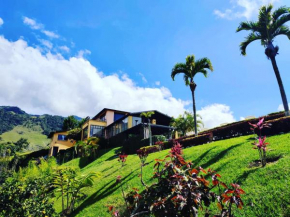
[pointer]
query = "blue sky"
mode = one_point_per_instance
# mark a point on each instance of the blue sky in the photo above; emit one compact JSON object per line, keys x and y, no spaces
{"x":132,"y":46}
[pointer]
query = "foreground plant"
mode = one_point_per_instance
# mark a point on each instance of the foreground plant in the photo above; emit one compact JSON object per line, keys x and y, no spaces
{"x":260,"y":144}
{"x":122,"y":158}
{"x":183,"y":190}
{"x":70,"y":187}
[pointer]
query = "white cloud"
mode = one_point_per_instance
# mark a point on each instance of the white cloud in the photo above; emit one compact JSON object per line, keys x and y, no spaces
{"x":143,"y":77}
{"x":242,"y":118}
{"x":157,"y":83}
{"x":281,"y":107}
{"x":215,"y":115}
{"x":1,"y":21}
{"x":32,"y":23}
{"x":39,"y":26}
{"x":50,"y":34}
{"x":46,"y":43}
{"x":243,"y":8}
{"x":64,"y":48}
{"x":82,"y":53}
{"x":48,"y":83}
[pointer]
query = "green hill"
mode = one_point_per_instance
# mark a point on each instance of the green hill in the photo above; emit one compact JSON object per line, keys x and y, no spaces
{"x":11,"y":117}
{"x":16,"y":123}
{"x":267,"y":189}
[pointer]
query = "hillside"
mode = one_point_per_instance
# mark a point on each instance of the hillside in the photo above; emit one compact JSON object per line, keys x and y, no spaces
{"x":267,"y":189}
{"x":11,"y":117}
{"x":16,"y":123}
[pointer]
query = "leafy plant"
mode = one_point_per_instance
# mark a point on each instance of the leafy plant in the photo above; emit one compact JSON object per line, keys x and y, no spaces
{"x":87,"y":148}
{"x":70,"y":187}
{"x":260,"y":144}
{"x":185,"y":123}
{"x":183,"y":190}
{"x":122,"y":158}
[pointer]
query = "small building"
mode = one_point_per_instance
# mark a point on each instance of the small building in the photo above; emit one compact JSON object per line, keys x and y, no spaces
{"x":59,"y":142}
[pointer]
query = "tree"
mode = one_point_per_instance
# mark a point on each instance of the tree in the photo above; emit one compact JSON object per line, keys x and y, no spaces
{"x":189,"y":69}
{"x":269,"y":25}
{"x":148,"y":115}
{"x":185,"y":123}
{"x":70,"y":123}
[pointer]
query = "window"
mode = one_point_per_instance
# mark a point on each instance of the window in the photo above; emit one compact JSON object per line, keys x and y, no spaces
{"x":96,"y":130}
{"x":85,"y":133}
{"x":136,"y":121}
{"x":61,"y":137}
{"x":103,"y":118}
{"x":117,"y":116}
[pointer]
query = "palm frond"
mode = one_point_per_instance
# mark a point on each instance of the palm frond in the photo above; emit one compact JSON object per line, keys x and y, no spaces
{"x":186,"y":79}
{"x":283,"y":30}
{"x":265,"y":15}
{"x":249,"y":39}
{"x":252,"y":26}
{"x":280,"y":22}
{"x":190,"y":60}
{"x":279,"y":12}
{"x":201,"y":65}
{"x":177,"y":69}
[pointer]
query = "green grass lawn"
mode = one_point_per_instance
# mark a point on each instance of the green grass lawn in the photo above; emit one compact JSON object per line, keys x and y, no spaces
{"x":34,"y":136}
{"x":267,"y":189}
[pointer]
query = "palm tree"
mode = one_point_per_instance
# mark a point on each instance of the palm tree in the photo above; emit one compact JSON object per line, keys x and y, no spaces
{"x":190,"y":68}
{"x":185,"y":123}
{"x":269,"y":25}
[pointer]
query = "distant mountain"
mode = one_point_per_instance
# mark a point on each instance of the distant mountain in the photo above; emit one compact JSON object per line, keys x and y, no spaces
{"x":11,"y":117}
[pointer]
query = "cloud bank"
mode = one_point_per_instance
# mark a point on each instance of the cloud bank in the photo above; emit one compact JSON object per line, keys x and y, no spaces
{"x":243,"y":9}
{"x":1,"y":21}
{"x":48,"y":83}
{"x":215,"y":115}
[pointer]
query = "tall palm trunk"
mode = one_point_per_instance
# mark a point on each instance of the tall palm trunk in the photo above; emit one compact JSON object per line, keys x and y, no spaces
{"x":282,"y":91}
{"x":192,"y":88}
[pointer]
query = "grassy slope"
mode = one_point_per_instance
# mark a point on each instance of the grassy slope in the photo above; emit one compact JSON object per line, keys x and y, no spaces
{"x":267,"y":188}
{"x":34,"y":136}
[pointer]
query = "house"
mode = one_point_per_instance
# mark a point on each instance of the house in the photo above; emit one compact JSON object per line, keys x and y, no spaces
{"x":96,"y":126}
{"x":59,"y":142}
{"x":109,"y":123}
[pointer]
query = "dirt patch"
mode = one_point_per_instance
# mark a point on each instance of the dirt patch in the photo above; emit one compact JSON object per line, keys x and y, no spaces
{"x":257,"y":163}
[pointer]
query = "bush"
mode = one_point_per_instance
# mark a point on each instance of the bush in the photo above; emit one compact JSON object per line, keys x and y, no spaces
{"x":279,"y":125}
{"x":242,"y":128}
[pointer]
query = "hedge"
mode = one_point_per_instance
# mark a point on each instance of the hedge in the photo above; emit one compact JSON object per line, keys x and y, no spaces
{"x":240,"y":128}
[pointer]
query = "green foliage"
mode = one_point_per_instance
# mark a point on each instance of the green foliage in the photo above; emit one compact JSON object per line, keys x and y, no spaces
{"x":69,"y":123}
{"x":30,"y":198}
{"x":75,"y":134}
{"x":11,"y":117}
{"x":185,"y":123}
{"x":70,"y":187}
{"x":87,"y":148}
{"x":28,"y":192}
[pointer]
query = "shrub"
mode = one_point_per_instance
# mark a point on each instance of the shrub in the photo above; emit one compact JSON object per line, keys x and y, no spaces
{"x":29,"y":198}
{"x":183,"y":190}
